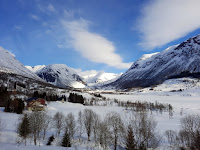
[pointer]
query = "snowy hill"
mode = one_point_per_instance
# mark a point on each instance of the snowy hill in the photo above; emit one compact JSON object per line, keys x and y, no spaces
{"x":60,"y":75}
{"x":176,"y":61}
{"x":10,"y":65}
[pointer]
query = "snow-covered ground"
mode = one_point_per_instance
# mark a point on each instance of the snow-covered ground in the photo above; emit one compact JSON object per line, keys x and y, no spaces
{"x":186,"y":101}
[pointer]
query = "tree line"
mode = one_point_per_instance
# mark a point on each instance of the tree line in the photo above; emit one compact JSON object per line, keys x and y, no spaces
{"x":131,"y":105}
{"x":139,"y":133}
{"x":110,"y":131}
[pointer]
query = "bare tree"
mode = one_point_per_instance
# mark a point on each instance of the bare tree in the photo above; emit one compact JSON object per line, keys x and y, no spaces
{"x":88,"y":121}
{"x":144,"y":128}
{"x":171,"y":137}
{"x":103,"y":135}
{"x":71,"y":124}
{"x":116,"y":127}
{"x":190,"y":129}
{"x":58,"y":122}
{"x":46,"y":120}
{"x":80,"y":124}
{"x":36,"y":122}
{"x":96,"y":125}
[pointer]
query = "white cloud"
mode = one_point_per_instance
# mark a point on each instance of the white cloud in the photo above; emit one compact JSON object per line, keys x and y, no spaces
{"x":68,"y":13}
{"x":35,"y":17}
{"x":47,"y":9}
{"x":71,"y":14}
{"x":86,"y":73}
{"x":93,"y":46}
{"x":51,"y":8}
{"x":18,"y":27}
{"x":164,"y":21}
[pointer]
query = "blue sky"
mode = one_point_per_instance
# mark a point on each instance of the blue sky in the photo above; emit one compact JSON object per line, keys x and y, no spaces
{"x":94,"y":34}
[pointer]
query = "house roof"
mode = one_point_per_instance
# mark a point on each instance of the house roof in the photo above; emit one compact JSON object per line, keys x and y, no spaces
{"x":31,"y":99}
{"x":35,"y":101}
{"x":60,"y":98}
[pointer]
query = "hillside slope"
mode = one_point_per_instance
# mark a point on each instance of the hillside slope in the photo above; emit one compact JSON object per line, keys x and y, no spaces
{"x":9,"y":64}
{"x":152,"y":69}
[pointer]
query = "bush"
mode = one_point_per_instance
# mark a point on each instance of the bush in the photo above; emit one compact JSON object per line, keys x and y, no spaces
{"x":50,"y":140}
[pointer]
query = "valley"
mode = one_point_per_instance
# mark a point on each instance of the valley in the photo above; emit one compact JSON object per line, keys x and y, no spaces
{"x":158,"y":96}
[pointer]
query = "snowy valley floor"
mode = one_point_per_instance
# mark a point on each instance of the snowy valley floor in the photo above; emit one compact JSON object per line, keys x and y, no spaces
{"x":183,"y":102}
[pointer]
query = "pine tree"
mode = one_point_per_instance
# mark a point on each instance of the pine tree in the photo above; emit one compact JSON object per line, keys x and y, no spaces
{"x":24,"y":127}
{"x":66,"y":142}
{"x":130,"y":141}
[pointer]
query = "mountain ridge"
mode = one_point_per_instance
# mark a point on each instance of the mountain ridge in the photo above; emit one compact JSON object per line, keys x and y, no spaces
{"x":153,"y":69}
{"x":9,"y":64}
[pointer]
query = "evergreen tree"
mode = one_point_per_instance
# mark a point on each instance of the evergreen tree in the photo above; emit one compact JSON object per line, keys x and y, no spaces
{"x":130,"y":141}
{"x":24,"y":127}
{"x":75,"y":98}
{"x":66,"y":142}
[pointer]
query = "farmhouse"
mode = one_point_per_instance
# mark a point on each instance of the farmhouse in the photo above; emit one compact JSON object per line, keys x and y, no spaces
{"x":35,"y":104}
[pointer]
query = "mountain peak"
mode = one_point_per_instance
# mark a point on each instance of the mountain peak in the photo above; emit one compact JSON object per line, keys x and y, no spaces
{"x":60,"y":75}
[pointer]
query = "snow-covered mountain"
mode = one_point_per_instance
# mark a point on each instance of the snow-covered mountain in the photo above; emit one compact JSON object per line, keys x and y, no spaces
{"x":101,"y":78}
{"x":60,"y":75}
{"x":176,"y":61}
{"x":35,"y":68}
{"x":91,"y":78}
{"x":10,"y":65}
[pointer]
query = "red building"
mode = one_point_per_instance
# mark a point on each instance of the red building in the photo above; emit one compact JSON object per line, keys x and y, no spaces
{"x":36,"y":104}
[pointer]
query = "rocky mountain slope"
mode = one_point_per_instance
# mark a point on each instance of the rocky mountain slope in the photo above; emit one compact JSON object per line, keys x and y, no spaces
{"x":59,"y":75}
{"x":176,"y":61}
{"x":92,"y":78}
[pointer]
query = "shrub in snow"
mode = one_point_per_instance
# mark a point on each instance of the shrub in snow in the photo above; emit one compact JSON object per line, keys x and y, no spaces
{"x":50,"y":140}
